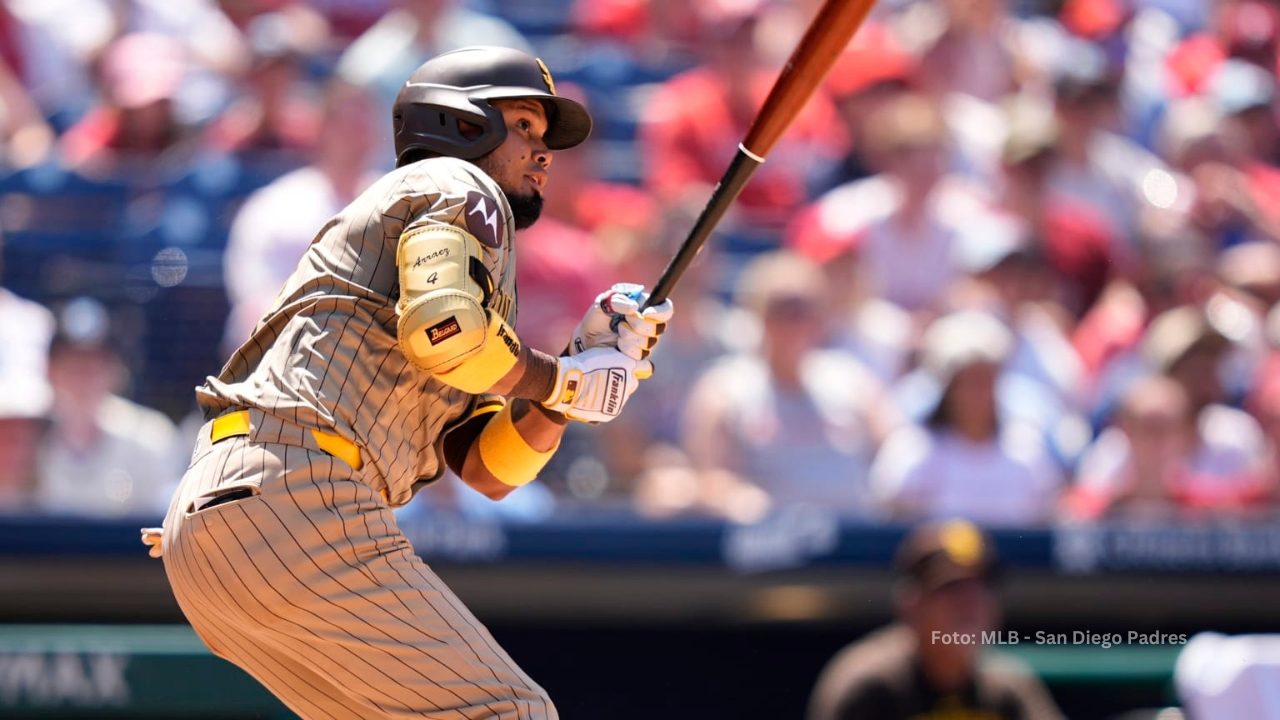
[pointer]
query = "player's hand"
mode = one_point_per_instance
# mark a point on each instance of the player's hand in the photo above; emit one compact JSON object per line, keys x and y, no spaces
{"x":616,"y":319}
{"x":152,"y":537}
{"x":593,"y":385}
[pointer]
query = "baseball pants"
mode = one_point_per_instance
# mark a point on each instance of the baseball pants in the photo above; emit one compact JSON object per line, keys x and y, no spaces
{"x":305,"y":581}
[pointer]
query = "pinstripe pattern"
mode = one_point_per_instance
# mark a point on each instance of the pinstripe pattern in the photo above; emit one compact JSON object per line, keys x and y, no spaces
{"x":311,"y":588}
{"x":308,"y":584}
{"x":325,"y":355}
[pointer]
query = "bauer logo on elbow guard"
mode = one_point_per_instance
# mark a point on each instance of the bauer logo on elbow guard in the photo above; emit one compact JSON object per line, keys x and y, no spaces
{"x":443,"y":330}
{"x":613,"y":395}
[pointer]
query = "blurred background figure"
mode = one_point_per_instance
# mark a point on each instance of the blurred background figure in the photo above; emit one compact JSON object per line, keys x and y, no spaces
{"x":135,"y":128}
{"x":692,"y":125}
{"x":25,"y":136}
{"x":906,"y":221}
{"x":274,"y":119}
{"x":946,"y":588}
{"x":965,"y":459}
{"x":1222,"y":676}
{"x":1152,"y":464}
{"x":971,"y":55}
{"x":275,"y":225}
{"x":103,"y":456}
{"x":1177,"y":449}
{"x":25,"y":330}
{"x":788,"y":422}
{"x":872,"y":71}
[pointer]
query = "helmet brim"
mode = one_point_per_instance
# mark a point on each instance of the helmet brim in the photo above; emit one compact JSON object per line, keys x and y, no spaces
{"x":568,"y":122}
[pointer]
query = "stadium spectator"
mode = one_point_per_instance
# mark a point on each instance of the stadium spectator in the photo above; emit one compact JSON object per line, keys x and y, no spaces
{"x":946,"y":589}
{"x":691,"y":127}
{"x":273,"y":120}
{"x":103,"y":456}
{"x":25,"y":137}
{"x":25,"y":329}
{"x":789,"y":422}
{"x":276,"y":223}
{"x":644,"y":453}
{"x":135,"y":128}
{"x":1096,"y":171}
{"x":1156,"y":463}
{"x":965,"y":460}
{"x":972,"y":54}
{"x":54,"y":58}
{"x":906,"y":222}
{"x":1043,"y":381}
{"x":873,"y":70}
{"x":1228,"y":451}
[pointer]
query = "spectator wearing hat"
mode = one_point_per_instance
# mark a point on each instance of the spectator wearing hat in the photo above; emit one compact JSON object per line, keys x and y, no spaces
{"x":25,"y":329}
{"x":914,"y":668}
{"x":136,"y":127}
{"x":964,"y":460}
{"x":103,"y":455}
{"x":872,"y":71}
{"x":788,"y":422}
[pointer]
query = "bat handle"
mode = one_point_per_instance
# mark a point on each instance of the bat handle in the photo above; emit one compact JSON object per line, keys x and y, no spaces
{"x":735,"y":178}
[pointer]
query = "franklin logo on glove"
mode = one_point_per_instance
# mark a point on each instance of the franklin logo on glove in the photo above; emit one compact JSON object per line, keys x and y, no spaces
{"x":613,"y":398}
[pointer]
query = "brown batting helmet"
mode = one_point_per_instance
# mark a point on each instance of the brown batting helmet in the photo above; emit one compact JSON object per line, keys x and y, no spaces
{"x":458,"y":85}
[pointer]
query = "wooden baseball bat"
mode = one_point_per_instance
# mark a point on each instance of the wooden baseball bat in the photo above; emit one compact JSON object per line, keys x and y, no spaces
{"x":824,"y":40}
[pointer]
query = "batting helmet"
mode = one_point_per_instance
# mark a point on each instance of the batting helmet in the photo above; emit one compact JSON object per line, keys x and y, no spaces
{"x":458,"y":85}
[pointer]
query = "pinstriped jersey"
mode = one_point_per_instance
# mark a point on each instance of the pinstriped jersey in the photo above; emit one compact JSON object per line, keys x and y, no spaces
{"x":325,"y":355}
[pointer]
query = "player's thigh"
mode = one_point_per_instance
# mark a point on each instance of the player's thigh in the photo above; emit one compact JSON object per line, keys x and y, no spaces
{"x":326,"y":571}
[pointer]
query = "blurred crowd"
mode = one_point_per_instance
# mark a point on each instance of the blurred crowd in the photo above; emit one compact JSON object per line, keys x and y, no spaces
{"x":1017,"y":262}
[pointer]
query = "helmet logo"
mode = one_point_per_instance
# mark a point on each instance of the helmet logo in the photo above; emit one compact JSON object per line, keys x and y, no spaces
{"x":546,"y":76}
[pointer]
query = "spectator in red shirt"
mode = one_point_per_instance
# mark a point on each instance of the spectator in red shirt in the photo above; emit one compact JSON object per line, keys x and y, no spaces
{"x":1159,"y":462}
{"x":135,"y":127}
{"x":691,"y":129}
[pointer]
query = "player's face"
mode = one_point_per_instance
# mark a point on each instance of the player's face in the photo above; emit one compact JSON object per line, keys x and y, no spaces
{"x":519,"y":165}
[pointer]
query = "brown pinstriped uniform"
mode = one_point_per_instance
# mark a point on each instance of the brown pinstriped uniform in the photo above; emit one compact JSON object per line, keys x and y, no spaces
{"x":307,"y":583}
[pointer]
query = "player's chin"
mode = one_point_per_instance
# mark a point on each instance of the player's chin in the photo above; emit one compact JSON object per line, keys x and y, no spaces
{"x":525,"y":208}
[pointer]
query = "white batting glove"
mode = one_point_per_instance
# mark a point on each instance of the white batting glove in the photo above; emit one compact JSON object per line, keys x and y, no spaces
{"x":615,"y":318}
{"x":593,"y":385}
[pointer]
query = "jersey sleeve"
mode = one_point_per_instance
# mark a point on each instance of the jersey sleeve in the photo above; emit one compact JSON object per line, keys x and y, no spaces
{"x":451,"y":317}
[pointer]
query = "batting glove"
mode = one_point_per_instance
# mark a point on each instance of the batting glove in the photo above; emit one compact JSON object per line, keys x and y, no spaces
{"x":615,"y":318}
{"x":593,"y":385}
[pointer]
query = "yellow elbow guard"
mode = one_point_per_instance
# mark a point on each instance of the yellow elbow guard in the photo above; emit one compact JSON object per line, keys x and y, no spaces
{"x":490,"y":363}
{"x":505,"y":453}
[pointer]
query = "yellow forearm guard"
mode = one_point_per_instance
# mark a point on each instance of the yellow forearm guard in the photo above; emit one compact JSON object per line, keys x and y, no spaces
{"x":495,"y":358}
{"x":505,"y":453}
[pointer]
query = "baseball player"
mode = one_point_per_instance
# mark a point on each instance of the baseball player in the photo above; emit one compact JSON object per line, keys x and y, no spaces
{"x":388,"y":356}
